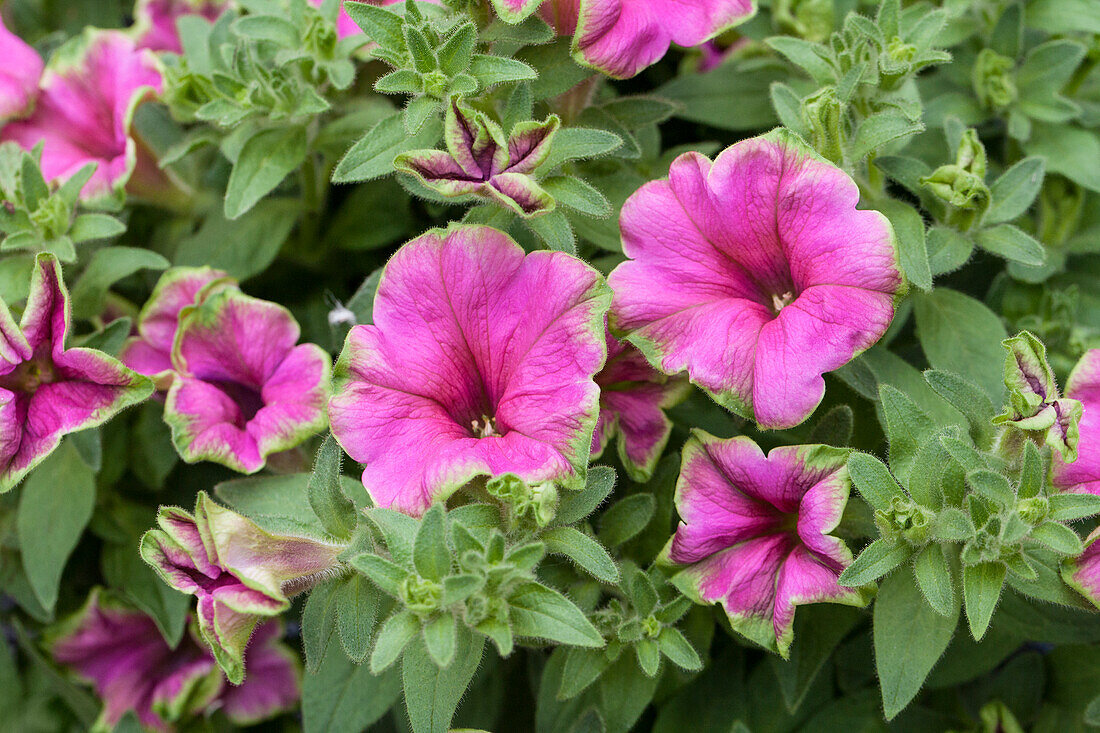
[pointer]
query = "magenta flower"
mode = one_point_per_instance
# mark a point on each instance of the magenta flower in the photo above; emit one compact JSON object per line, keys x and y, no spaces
{"x":1083,"y":475}
{"x":622,"y":37}
{"x":150,"y":352}
{"x":345,"y":26}
{"x":239,"y":573}
{"x":755,"y":530}
{"x":90,"y":91}
{"x":756,"y":274}
{"x":155,"y":21}
{"x":242,"y":389}
{"x":19,"y":75}
{"x":46,"y":390}
{"x":480,"y":160}
{"x":1082,"y":573}
{"x":122,"y":654}
{"x":633,"y":399}
{"x":479,"y":363}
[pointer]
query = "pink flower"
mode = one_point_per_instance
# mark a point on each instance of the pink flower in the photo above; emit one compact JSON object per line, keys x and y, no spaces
{"x":150,"y":352}
{"x":1082,"y":573}
{"x":479,"y":363}
{"x":19,"y":75}
{"x":622,"y":37}
{"x":122,"y":654}
{"x":239,"y":573}
{"x":345,"y":26}
{"x":1083,"y":475}
{"x":89,"y":93}
{"x":480,"y":160}
{"x":633,"y":399}
{"x":155,"y":21}
{"x":242,"y":390}
{"x":756,"y":274}
{"x":754,"y":532}
{"x":46,"y":390}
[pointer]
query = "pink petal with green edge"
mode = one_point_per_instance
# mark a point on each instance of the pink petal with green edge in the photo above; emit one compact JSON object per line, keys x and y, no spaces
{"x":226,"y":631}
{"x":514,"y":11}
{"x":754,"y":532}
{"x":529,"y":144}
{"x":521,"y":193}
{"x":19,"y":75}
{"x":122,"y":654}
{"x":273,"y":682}
{"x":1082,"y":573}
{"x":89,"y":93}
{"x":244,"y":389}
{"x":737,"y":265}
{"x":480,"y":362}
{"x":53,"y":391}
{"x":633,"y":398}
{"x":561,"y":14}
{"x":622,"y":37}
{"x":1083,"y":474}
{"x":155,"y":21}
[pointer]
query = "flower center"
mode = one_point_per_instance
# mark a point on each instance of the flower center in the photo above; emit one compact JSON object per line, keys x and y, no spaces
{"x":779,"y":302}
{"x":484,"y":428}
{"x":31,"y":374}
{"x":248,"y":398}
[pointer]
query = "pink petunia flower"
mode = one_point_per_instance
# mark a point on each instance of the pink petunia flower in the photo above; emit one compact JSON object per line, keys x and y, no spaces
{"x":1083,"y":475}
{"x":1082,"y":573}
{"x":345,"y":26}
{"x":633,"y":399}
{"x":242,"y":389}
{"x":89,"y":92}
{"x":756,"y":274}
{"x":754,"y":532}
{"x":122,"y":654}
{"x":622,"y":37}
{"x":19,"y":75}
{"x":155,"y":21}
{"x":46,"y":390}
{"x":479,"y":363}
{"x":239,"y":572}
{"x":150,"y":352}
{"x":480,"y":160}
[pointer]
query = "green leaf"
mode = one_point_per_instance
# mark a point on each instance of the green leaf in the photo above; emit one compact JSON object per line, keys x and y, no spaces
{"x":873,"y":480}
{"x":54,"y":507}
{"x":393,"y":637}
{"x":575,"y":506}
{"x":817,"y":632}
{"x":909,"y":228}
{"x":432,"y":694}
{"x":382,"y":26}
{"x":126,"y":572}
{"x":960,"y":334}
{"x":1057,"y":537}
{"x":387,"y":575}
{"x":679,"y":650}
{"x":1069,"y":507}
{"x":440,"y":635}
{"x":493,"y":70}
{"x":626,"y":518}
{"x":91,"y":227}
{"x":335,"y":511}
{"x":108,"y":266}
{"x":881,"y":129}
{"x":431,"y":555}
{"x":1032,"y":479}
{"x":1013,"y":244}
{"x":319,"y":622}
{"x":543,"y":613}
{"x":357,"y":606}
{"x":554,"y":231}
{"x":557,"y":71}
{"x":264,"y":161}
{"x":834,"y":428}
{"x":267,"y":28}
{"x":458,"y":50}
{"x":877,"y":559}
{"x":257,"y":237}
{"x":908,"y":637}
{"x":583,"y":550}
{"x":575,"y":143}
{"x":805,"y":55}
{"x":582,"y":668}
{"x":1016,"y":189}
{"x":947,"y":250}
{"x":933,"y":575}
{"x":907,"y":428}
{"x":1069,"y":151}
{"x":372,"y":156}
{"x":968,"y":399}
{"x":576,"y":194}
{"x":992,"y":486}
{"x":733,"y":96}
{"x":981,"y":589}
{"x":341,"y":697}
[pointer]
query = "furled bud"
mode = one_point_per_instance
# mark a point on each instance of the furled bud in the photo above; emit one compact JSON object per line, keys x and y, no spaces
{"x":994,"y":79}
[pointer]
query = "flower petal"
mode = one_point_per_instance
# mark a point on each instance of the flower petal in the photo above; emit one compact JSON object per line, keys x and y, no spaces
{"x":19,"y":75}
{"x":1083,"y":475}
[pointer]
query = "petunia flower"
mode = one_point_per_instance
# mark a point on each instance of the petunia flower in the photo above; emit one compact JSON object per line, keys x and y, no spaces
{"x":479,"y":363}
{"x":345,"y":26}
{"x":46,"y":390}
{"x":150,"y":352}
{"x":1036,"y":406}
{"x":754,"y":532}
{"x":239,"y":573}
{"x":242,"y":390}
{"x":1082,"y":573}
{"x":1083,"y":474}
{"x":89,"y":93}
{"x":155,"y":21}
{"x":622,"y":37}
{"x":19,"y":75}
{"x":482,"y":161}
{"x":122,"y":654}
{"x":633,"y":399}
{"x":756,"y":274}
